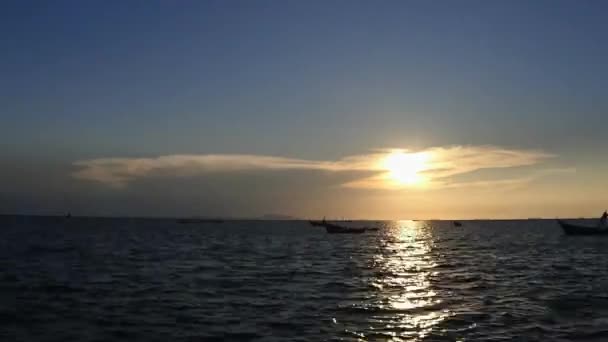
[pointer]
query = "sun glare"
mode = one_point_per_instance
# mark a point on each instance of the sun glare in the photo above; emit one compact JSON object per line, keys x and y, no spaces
{"x":404,"y":168}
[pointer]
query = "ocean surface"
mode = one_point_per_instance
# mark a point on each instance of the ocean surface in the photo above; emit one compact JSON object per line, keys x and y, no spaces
{"x":87,"y":279}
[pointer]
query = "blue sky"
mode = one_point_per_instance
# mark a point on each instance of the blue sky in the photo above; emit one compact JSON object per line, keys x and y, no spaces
{"x":313,"y":80}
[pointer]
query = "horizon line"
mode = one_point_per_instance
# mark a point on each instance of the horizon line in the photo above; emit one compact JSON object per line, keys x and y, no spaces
{"x":259,"y":218}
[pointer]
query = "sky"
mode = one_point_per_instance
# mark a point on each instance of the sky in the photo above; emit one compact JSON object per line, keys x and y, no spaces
{"x":360,"y":109}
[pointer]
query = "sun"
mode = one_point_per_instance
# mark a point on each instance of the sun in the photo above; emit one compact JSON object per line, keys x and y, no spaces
{"x":404,"y":168}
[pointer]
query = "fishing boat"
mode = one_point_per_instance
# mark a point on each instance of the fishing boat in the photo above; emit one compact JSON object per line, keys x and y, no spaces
{"x":331,"y":228}
{"x":198,"y":220}
{"x":316,"y":223}
{"x":575,"y":229}
{"x":457,"y":223}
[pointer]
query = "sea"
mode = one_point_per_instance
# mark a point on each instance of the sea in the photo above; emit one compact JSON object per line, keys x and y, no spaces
{"x":101,"y":279}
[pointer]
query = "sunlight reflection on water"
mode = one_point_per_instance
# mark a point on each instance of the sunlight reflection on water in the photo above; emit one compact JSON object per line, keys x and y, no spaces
{"x":405,"y":264}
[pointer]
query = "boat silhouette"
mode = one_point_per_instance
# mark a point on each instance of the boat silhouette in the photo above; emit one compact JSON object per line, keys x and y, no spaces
{"x":332,"y":228}
{"x":576,"y":229}
{"x":198,"y":220}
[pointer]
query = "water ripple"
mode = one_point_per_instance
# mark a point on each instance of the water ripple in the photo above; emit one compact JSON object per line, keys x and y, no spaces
{"x":154,"y":280}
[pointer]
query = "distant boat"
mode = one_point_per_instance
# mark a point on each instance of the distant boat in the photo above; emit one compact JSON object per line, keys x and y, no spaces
{"x":68,"y":215}
{"x":316,"y":223}
{"x":575,"y":229}
{"x":331,"y":228}
{"x":457,"y":224}
{"x":198,"y":220}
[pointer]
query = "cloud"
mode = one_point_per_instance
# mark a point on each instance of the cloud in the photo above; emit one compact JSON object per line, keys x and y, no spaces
{"x":441,"y":164}
{"x":118,"y":172}
{"x":444,"y":163}
{"x":508,"y":183}
{"x":455,"y":160}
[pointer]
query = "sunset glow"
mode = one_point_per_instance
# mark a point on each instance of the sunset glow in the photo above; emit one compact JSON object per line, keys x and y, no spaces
{"x":369,"y":113}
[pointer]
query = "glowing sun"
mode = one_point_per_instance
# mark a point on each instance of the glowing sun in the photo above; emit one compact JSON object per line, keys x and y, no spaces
{"x":404,"y":168}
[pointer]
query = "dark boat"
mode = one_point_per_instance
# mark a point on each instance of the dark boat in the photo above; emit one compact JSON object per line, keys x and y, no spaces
{"x":316,"y":223}
{"x":198,"y":220}
{"x":575,"y":229}
{"x":333,"y":228}
{"x":336,"y":229}
{"x":457,"y":224}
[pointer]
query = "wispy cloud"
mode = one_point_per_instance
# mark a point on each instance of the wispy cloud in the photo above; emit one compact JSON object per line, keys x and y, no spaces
{"x":442,"y":163}
{"x":508,"y":183}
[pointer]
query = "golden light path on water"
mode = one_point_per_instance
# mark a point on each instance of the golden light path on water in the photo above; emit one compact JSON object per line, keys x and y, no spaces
{"x":404,"y":265}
